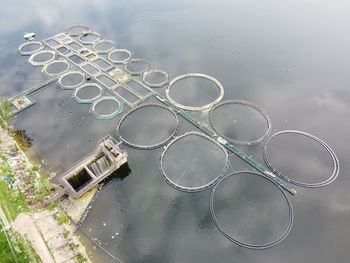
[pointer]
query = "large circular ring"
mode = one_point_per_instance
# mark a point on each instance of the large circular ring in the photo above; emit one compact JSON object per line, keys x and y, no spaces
{"x":153,"y":146}
{"x":245,"y":103}
{"x":196,"y":75}
{"x":43,"y":52}
{"x":334,"y":157}
{"x":154,"y":72}
{"x":189,"y":180}
{"x":248,"y":245}
{"x":31,"y":43}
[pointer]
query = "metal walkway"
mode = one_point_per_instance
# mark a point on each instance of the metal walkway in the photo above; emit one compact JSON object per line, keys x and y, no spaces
{"x":204,"y":127}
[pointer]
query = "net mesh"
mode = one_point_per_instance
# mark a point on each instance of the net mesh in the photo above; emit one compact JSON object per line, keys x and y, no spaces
{"x":148,"y":126}
{"x":193,"y":162}
{"x":250,"y":210}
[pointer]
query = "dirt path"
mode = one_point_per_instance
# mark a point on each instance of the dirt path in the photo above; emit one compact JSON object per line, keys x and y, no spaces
{"x":25,"y":225}
{"x":53,"y":242}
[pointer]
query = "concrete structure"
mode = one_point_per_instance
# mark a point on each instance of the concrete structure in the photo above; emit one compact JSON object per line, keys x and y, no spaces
{"x":105,"y":159}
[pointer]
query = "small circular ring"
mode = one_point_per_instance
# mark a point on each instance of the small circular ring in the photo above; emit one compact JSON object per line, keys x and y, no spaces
{"x":106,"y":116}
{"x":68,"y":74}
{"x":41,"y":63}
{"x":84,"y":27}
{"x":90,"y":100}
{"x":155,"y":85}
{"x":248,"y":245}
{"x":123,"y":61}
{"x":196,"y":75}
{"x":56,"y":62}
{"x":98,"y":36}
{"x":136,"y":60}
{"x":245,"y":103}
{"x":102,"y":41}
{"x":27,"y":53}
{"x":334,"y":157}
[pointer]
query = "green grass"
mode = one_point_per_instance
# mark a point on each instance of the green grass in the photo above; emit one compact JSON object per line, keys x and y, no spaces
{"x":61,"y":218}
{"x":22,"y":249}
{"x":5,"y":111}
{"x":80,"y":258}
{"x":12,"y":200}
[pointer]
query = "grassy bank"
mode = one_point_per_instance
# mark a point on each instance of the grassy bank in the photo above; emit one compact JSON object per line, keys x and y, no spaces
{"x":15,"y":249}
{"x":11,"y":200}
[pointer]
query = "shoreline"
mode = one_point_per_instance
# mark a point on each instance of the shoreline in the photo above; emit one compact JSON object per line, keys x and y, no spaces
{"x":44,"y":225}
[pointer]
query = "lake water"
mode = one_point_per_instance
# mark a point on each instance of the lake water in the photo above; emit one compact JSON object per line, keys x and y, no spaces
{"x":291,"y":58}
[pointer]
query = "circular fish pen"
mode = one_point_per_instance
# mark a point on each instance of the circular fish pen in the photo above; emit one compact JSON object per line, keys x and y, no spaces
{"x":56,"y":67}
{"x":151,"y":78}
{"x":193,"y":162}
{"x":41,"y":58}
{"x":228,"y":122}
{"x":194,"y":77}
{"x":103,"y":46}
{"x":334,"y":160}
{"x":136,"y":66}
{"x":29,"y":48}
{"x":96,"y":90}
{"x":71,"y":80}
{"x":119,"y":56}
{"x":89,"y":38}
{"x":76,"y":30}
{"x":139,"y":131}
{"x":244,"y":199}
{"x":117,"y":108}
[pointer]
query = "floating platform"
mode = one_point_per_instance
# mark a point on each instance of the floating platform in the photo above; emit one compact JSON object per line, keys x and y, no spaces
{"x":105,"y":159}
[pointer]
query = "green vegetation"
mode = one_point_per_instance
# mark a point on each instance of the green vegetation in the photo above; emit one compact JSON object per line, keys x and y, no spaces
{"x":52,"y":206}
{"x":11,"y":200}
{"x":22,"y":250}
{"x":44,"y":186}
{"x":80,"y":258}
{"x":35,"y":168}
{"x":61,"y":218}
{"x":21,"y":137}
{"x":5,"y":111}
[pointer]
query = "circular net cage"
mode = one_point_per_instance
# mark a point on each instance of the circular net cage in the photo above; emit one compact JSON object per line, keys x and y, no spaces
{"x":301,"y":159}
{"x":76,"y":30}
{"x":71,"y":80}
{"x":193,"y":162}
{"x":148,"y":126}
{"x":195,"y":92}
{"x":29,"y":48}
{"x":240,"y":122}
{"x":251,"y":210}
{"x":56,"y":68}
{"x":88,"y":93}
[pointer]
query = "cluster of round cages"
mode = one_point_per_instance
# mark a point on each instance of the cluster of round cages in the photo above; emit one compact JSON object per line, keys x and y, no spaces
{"x":133,"y":66}
{"x":75,"y":80}
{"x":102,"y":46}
{"x":52,"y":65}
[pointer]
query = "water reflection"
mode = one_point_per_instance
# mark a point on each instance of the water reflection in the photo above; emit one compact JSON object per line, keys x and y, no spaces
{"x":291,"y":58}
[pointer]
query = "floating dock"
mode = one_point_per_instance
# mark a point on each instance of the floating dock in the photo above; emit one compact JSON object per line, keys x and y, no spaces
{"x":105,"y":159}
